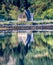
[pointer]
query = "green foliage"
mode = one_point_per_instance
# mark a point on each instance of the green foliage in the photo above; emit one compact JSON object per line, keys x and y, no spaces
{"x":42,"y":9}
{"x":13,"y":14}
{"x":48,"y":14}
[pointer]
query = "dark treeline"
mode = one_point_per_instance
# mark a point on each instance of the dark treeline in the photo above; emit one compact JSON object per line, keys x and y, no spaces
{"x":18,"y":3}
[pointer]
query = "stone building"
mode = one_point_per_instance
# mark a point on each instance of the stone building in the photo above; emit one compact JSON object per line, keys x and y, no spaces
{"x":22,"y":17}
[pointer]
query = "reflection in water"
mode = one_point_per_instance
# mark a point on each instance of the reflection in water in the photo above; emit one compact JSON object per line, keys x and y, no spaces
{"x":23,"y":55}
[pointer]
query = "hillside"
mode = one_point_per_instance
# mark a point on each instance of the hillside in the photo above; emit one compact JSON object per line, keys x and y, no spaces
{"x":42,"y":9}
